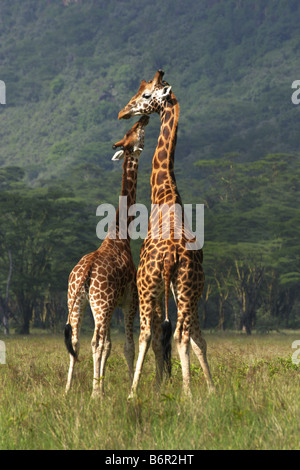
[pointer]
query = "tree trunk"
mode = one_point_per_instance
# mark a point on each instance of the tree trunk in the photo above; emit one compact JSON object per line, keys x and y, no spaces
{"x":26,"y":322}
{"x":26,"y":308}
{"x":204,"y":316}
{"x":221,"y":315}
{"x":5,"y":309}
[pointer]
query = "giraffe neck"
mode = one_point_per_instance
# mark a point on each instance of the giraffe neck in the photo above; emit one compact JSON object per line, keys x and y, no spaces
{"x":163,"y":182}
{"x":129,"y":184}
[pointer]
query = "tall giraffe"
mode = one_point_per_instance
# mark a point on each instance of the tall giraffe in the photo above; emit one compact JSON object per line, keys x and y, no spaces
{"x":165,"y":260}
{"x":107,"y":277}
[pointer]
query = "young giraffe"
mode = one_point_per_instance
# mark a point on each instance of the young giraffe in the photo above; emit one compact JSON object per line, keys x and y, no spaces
{"x":107,"y":277}
{"x":165,"y":261}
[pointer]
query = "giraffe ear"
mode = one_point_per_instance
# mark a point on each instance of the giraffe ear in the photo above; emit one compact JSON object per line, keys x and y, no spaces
{"x":118,"y":155}
{"x":137,"y":149}
{"x":166,"y":91}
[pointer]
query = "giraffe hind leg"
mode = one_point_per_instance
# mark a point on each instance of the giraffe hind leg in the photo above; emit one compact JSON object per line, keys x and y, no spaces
{"x":157,"y":341}
{"x":97,"y":352}
{"x":101,"y":347}
{"x":101,"y":344}
{"x":199,"y":347}
{"x":183,"y":348}
{"x":104,"y":356}
{"x":72,"y":330}
{"x":144,"y":343}
{"x":130,"y":312}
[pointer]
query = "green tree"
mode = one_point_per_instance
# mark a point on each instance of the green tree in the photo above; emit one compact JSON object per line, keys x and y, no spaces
{"x":43,"y":233}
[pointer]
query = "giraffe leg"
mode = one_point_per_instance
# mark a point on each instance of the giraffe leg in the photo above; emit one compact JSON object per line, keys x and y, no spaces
{"x":156,"y":342}
{"x":101,"y":346}
{"x":75,"y":323}
{"x":104,"y":356}
{"x":101,"y":342}
{"x":199,"y":348}
{"x":70,"y":373}
{"x":97,"y":346}
{"x":182,"y":342}
{"x":130,"y":311}
{"x":146,"y":310}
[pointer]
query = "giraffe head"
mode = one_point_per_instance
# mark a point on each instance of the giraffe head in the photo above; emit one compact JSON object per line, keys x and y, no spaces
{"x":150,"y":97}
{"x":133,"y":141}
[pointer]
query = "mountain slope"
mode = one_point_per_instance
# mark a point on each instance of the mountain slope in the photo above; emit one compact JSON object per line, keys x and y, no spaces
{"x":69,"y":69}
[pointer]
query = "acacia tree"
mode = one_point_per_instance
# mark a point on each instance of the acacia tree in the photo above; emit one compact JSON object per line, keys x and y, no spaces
{"x":223,"y":281}
{"x":247,"y":285}
{"x":4,"y":299}
{"x":252,"y":218}
{"x":204,"y":301}
{"x":43,"y":233}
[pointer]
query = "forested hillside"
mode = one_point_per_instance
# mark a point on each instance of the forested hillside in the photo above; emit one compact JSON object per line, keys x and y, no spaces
{"x":70,"y":66}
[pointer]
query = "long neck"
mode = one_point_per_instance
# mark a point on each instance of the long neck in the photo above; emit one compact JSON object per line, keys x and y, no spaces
{"x":163,"y":183}
{"x":129,"y":184}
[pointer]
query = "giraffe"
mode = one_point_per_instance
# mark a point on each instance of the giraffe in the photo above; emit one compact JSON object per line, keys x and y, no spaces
{"x":165,"y":261}
{"x":106,"y":278}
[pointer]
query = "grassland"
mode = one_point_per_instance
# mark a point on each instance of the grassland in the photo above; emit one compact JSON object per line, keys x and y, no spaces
{"x":256,"y":404}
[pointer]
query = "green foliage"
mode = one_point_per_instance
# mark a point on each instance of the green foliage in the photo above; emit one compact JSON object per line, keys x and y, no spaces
{"x":57,"y":85}
{"x":231,"y":85}
{"x":43,"y":231}
{"x":68,"y":71}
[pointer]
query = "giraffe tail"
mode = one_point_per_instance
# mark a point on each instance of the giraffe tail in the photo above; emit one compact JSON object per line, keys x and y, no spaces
{"x":68,"y":340}
{"x":166,"y":344}
{"x":84,"y":276}
{"x":68,"y":327}
{"x":167,"y":325}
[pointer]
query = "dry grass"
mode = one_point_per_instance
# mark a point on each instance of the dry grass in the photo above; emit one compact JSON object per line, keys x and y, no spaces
{"x":256,"y":404}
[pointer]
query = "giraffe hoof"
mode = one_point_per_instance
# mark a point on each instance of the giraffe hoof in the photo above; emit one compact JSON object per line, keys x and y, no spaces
{"x":187,"y":393}
{"x":131,"y":396}
{"x":96,"y":394}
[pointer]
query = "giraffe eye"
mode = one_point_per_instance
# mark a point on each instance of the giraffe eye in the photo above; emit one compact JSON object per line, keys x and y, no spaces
{"x":146,"y":95}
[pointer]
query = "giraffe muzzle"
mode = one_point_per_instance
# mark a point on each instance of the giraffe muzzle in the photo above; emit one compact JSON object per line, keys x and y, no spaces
{"x":125,"y":113}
